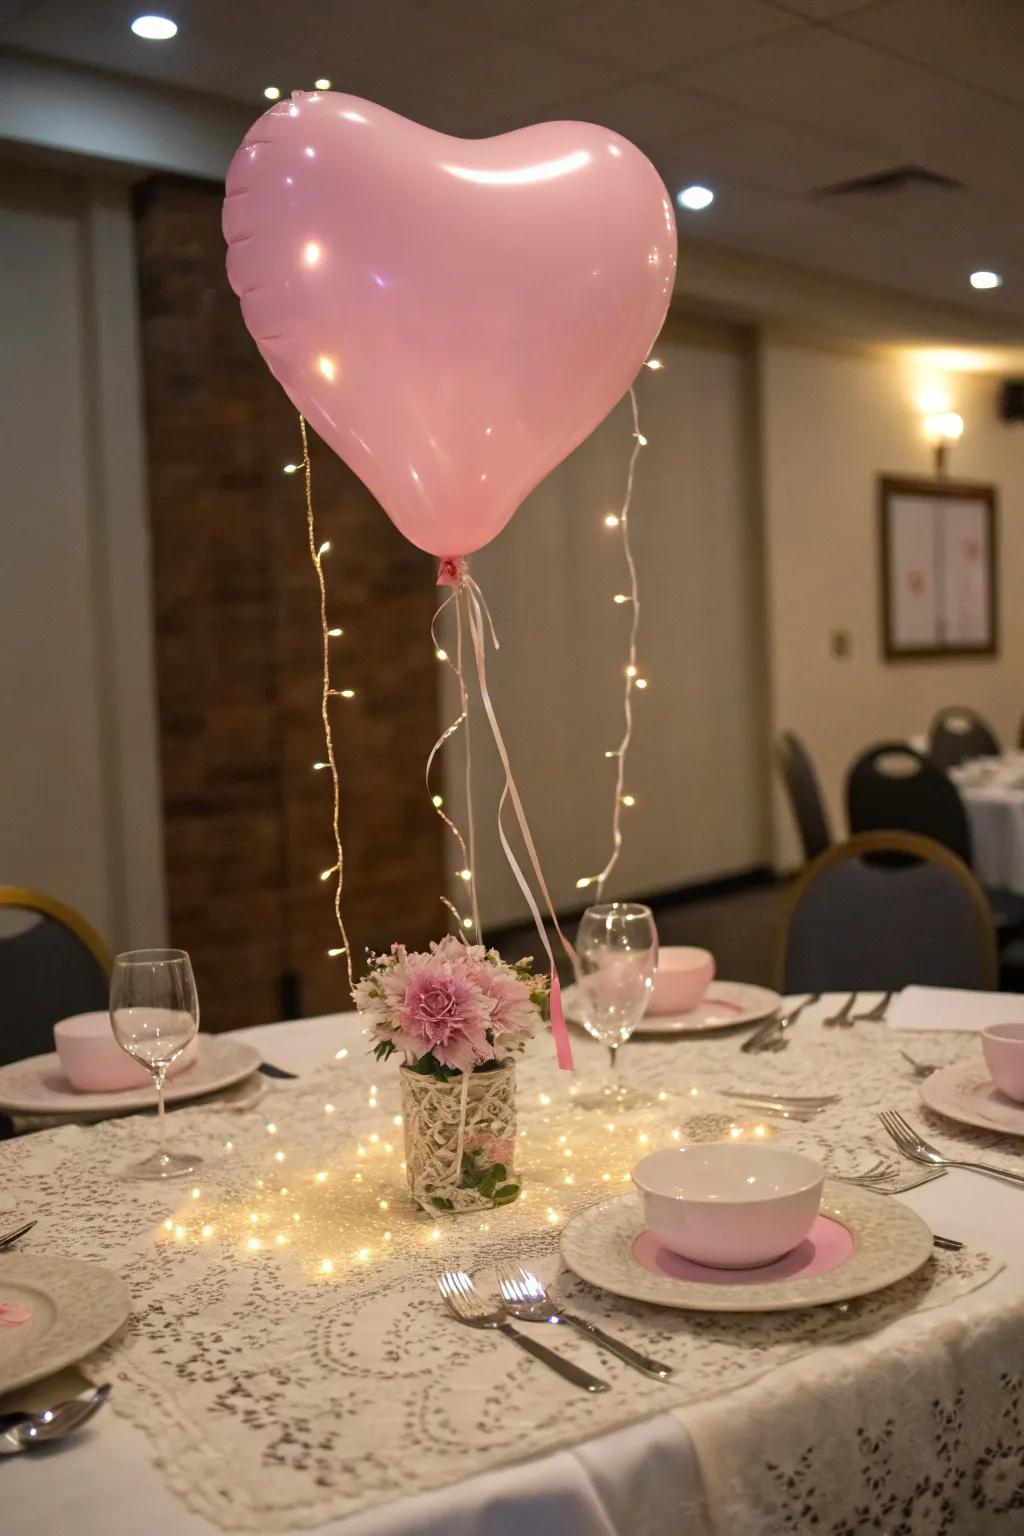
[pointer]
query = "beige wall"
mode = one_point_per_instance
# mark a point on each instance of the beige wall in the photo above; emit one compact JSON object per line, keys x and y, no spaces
{"x":79,"y":799}
{"x":697,"y":761}
{"x":830,"y":423}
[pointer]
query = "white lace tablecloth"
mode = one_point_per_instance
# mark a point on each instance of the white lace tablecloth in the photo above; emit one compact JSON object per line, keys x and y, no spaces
{"x":289,"y":1364}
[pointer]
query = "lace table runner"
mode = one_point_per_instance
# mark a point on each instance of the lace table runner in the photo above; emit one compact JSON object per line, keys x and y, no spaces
{"x":288,"y":1353}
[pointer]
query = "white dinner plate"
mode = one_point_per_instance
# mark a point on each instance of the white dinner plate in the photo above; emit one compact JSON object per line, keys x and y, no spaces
{"x":37,"y":1085}
{"x":889,"y":1242}
{"x":74,"y":1307}
{"x":965,"y":1092}
{"x":725,"y":1004}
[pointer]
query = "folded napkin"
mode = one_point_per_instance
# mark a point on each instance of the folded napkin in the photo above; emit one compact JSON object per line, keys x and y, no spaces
{"x":953,"y":1008}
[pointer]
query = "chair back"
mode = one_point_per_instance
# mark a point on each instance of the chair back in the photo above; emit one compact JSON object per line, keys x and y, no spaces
{"x":957,"y":733}
{"x":887,"y":910}
{"x":804,"y":793}
{"x":892,"y":786}
{"x":55,"y":967}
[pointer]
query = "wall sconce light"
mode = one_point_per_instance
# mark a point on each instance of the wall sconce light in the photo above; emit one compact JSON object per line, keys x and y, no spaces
{"x":941,"y":429}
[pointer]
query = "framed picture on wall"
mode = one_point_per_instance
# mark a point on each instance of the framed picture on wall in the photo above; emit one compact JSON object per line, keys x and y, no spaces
{"x":939,"y":568}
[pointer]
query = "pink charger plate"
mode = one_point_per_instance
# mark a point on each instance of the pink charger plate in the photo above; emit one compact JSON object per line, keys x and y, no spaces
{"x":828,"y":1245}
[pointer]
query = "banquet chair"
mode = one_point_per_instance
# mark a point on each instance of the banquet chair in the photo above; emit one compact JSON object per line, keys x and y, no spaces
{"x":53,"y":967}
{"x":892,"y":785}
{"x":958,"y":732}
{"x":804,"y":792}
{"x":887,"y":910}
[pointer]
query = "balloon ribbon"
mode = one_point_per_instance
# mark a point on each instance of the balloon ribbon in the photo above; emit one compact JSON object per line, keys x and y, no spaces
{"x":468,"y":590}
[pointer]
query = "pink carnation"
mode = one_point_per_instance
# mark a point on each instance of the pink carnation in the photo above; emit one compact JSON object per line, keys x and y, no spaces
{"x":459,"y":1004}
{"x":443,"y":1011}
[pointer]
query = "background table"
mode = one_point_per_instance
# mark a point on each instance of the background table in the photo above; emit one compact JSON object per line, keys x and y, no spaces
{"x":653,"y":1475}
{"x":995,"y":814}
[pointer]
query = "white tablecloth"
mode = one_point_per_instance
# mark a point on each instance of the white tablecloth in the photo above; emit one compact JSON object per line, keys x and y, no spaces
{"x":650,"y":1476}
{"x":995,"y":814}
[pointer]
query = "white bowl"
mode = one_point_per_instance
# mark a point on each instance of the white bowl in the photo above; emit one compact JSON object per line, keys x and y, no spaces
{"x":729,"y":1204}
{"x":684,"y":975}
{"x":93,"y":1061}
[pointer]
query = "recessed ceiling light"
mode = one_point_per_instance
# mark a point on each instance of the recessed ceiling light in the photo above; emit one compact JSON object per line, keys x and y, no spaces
{"x":986,"y":280}
{"x":156,"y":28}
{"x":695,"y":198}
{"x":272,"y":92}
{"x":323,"y":84}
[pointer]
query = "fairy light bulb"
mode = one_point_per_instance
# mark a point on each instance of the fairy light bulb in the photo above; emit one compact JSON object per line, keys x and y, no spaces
{"x":335,"y":632}
{"x":620,"y":597}
{"x":347,"y":693}
{"x":437,"y":801}
{"x":324,"y":549}
{"x":611,"y":520}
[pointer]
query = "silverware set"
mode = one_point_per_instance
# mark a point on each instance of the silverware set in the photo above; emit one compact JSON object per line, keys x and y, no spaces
{"x":912,"y":1145}
{"x":524,"y":1297}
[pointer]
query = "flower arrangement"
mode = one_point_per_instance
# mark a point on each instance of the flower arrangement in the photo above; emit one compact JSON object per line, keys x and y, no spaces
{"x":454,"y":1008}
{"x":456,"y":1013}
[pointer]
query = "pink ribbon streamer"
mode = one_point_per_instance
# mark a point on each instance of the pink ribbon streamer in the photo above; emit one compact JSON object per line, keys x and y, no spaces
{"x":476,"y":607}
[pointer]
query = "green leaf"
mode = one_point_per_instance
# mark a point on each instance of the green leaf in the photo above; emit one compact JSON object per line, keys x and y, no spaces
{"x":499,"y":1171}
{"x":441,"y":1203}
{"x":506,"y":1194}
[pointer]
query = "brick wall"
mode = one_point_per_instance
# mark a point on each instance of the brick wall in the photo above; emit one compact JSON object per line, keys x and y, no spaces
{"x":247,"y":821}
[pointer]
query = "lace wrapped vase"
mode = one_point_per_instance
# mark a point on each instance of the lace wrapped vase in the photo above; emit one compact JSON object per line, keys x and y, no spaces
{"x":460,"y":1138}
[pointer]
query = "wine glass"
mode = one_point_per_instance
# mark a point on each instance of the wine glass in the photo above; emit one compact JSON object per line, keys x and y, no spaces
{"x":616,"y":962}
{"x":154,"y":1011}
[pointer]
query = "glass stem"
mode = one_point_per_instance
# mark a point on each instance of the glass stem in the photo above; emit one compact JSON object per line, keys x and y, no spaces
{"x":613,"y":1063}
{"x":161,"y":1113}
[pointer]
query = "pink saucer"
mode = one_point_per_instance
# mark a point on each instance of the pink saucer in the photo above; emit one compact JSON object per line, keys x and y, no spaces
{"x":826,"y":1246}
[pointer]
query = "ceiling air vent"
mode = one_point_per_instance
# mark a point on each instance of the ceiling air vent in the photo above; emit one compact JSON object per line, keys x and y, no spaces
{"x":897,"y":179}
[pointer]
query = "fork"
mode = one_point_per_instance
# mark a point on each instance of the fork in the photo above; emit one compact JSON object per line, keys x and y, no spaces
{"x":921,"y":1068}
{"x":771,"y":1036}
{"x":465,"y":1301}
{"x":842,"y":1015}
{"x":790,"y":1106}
{"x":526,"y":1298}
{"x":919,"y":1151}
{"x":873,"y":1015}
{"x":879,"y":1178}
{"x":7,"y":1238}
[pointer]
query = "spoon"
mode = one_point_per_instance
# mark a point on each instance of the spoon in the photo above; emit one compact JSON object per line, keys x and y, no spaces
{"x":22,"y":1431}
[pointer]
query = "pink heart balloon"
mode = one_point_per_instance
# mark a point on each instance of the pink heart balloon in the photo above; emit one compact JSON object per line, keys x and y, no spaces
{"x":453,"y":316}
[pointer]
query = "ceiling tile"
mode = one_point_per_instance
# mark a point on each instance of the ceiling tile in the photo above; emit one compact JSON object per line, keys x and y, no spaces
{"x":810,"y":77}
{"x":759,"y":153}
{"x":823,"y":10}
{"x":510,"y":75}
{"x":647,"y":111}
{"x":650,"y":35}
{"x":503,"y":15}
{"x":981,"y":43}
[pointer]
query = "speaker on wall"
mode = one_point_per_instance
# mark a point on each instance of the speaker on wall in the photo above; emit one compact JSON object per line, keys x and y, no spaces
{"x":1011,"y":400}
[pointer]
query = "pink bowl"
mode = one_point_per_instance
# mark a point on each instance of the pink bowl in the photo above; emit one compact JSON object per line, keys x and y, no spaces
{"x":93,"y":1061}
{"x":684,"y":975}
{"x":1003,"y":1045}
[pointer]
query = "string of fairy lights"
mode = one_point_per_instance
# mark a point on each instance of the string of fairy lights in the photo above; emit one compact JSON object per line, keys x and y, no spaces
{"x":622,"y":799}
{"x":633,"y":679}
{"x":319,"y":1186}
{"x":329,"y":632}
